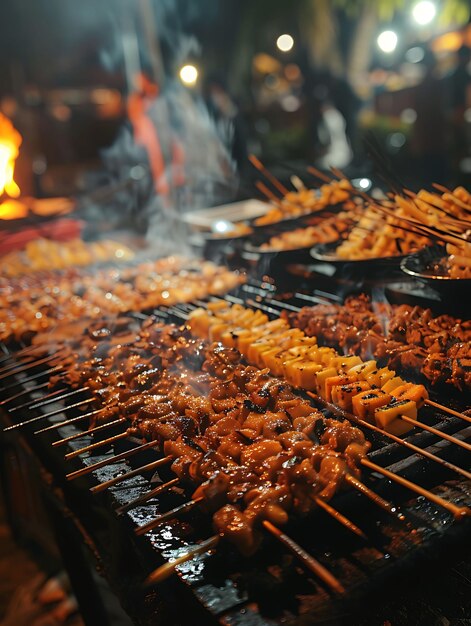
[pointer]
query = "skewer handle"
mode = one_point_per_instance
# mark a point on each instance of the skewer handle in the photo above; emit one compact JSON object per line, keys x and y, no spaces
{"x":135,"y":472}
{"x":118,"y":457}
{"x":309,"y":561}
{"x":166,"y":570}
{"x":459,"y":512}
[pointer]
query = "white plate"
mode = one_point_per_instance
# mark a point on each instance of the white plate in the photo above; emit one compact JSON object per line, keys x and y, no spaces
{"x":235,"y":212}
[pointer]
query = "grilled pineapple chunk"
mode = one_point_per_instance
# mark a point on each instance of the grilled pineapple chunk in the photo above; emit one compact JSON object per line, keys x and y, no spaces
{"x":322,"y":376}
{"x":378,"y":378}
{"x":409,"y":391}
{"x":200,"y":321}
{"x":302,"y":373}
{"x":363,"y":369}
{"x":342,"y":394}
{"x":392,"y":384}
{"x":340,"y":379}
{"x":344,"y":363}
{"x":365,"y":403}
{"x":216,"y":331}
{"x":389,"y":417}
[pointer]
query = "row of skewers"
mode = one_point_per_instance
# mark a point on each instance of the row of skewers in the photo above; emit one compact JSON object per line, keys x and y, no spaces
{"x":405,"y":338}
{"x":35,"y":305}
{"x":162,"y":383}
{"x":43,"y":254}
{"x":401,"y":224}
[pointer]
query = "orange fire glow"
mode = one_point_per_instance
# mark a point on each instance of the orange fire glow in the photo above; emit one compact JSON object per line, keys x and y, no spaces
{"x":10,"y":141}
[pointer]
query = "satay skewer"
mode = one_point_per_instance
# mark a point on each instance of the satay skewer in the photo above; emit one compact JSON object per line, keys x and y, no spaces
{"x":157,"y":521}
{"x":53,"y":370}
{"x":168,"y":569}
{"x":23,"y":368}
{"x":72,"y":420}
{"x":90,"y":431}
{"x":54,"y":396}
{"x":147,"y":496}
{"x":117,"y":457}
{"x":339,"y":517}
{"x":436,"y":432}
{"x":374,"y":497}
{"x":447,"y":409}
{"x":315,"y":172}
{"x":268,"y":175}
{"x":24,"y":392}
{"x":21,"y":353}
{"x":457,"y":511}
{"x":267,"y":192}
{"x":307,"y":559}
{"x":148,"y":467}
{"x":12,"y":366}
{"x":96,"y":445}
{"x":403,"y":442}
{"x":31,"y":420}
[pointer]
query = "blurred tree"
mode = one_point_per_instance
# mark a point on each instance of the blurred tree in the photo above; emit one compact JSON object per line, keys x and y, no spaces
{"x":351,"y":56}
{"x":339,"y":35}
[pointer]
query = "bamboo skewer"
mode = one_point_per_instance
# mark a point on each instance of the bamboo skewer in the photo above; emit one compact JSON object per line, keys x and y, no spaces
{"x":148,"y":496}
{"x":457,"y":511}
{"x":178,"y":510}
{"x":267,"y":192}
{"x":374,"y":497}
{"x":446,"y":409}
{"x":268,"y":175}
{"x":309,"y":561}
{"x":31,"y":420}
{"x":96,"y":445}
{"x":56,"y":368}
{"x":118,"y":457}
{"x":23,"y":352}
{"x":339,"y":517}
{"x":66,"y":422}
{"x":50,"y":397}
{"x":315,"y":172}
{"x":295,"y":309}
{"x":437,"y":432}
{"x":28,"y":366}
{"x":24,"y":392}
{"x":167,"y":569}
{"x":403,"y":442}
{"x":88,"y":432}
{"x":149,"y":467}
{"x":14,"y":365}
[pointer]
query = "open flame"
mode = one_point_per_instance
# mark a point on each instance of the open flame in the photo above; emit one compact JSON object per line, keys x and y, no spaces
{"x":10,"y":141}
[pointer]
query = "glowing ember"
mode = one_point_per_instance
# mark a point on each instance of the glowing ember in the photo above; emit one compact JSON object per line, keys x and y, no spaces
{"x":10,"y":141}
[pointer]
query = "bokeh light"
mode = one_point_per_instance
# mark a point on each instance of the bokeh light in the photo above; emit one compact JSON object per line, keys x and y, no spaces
{"x":424,"y":12}
{"x":285,"y":42}
{"x":189,"y":75}
{"x":387,"y":41}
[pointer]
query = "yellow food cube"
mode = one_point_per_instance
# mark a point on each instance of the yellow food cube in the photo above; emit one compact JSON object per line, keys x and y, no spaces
{"x":342,"y":394}
{"x":377,"y":378}
{"x":302,"y":374}
{"x":365,"y":403}
{"x":321,"y":378}
{"x":389,"y":417}
{"x":363,"y":369}
{"x":392,"y":384}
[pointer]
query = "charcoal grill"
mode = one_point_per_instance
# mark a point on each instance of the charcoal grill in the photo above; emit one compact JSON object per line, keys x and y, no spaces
{"x":271,"y":587}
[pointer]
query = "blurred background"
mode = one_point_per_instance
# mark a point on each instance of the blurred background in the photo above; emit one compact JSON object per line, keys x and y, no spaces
{"x":109,"y":91}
